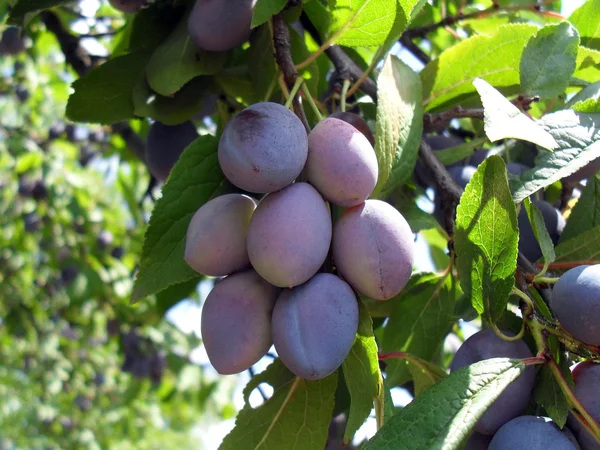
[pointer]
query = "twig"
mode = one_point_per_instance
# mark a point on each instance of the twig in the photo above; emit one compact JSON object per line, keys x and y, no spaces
{"x":439,"y":121}
{"x":348,"y":69}
{"x":570,"y":264}
{"x":283,"y":56}
{"x":408,"y":43}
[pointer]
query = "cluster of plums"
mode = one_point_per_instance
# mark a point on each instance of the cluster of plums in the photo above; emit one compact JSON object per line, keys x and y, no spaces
{"x":273,"y":252}
{"x":575,"y":301}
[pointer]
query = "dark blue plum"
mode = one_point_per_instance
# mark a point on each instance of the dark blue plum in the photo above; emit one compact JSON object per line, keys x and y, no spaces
{"x":554,"y":221}
{"x":531,"y":433}
{"x":516,"y":168}
{"x":586,"y":376}
{"x":165,"y":144}
{"x":478,"y":441}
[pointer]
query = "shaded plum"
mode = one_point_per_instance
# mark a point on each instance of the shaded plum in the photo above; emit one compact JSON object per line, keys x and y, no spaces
{"x":515,"y":168}
{"x":220,"y":25}
{"x":485,"y":345}
{"x":165,"y":144}
{"x":357,"y":122}
{"x":373,"y":249}
{"x":477,"y":157}
{"x":236,"y":321}
{"x":314,"y":325}
{"x":586,"y":376}
{"x":12,"y":42}
{"x":585,"y":172}
{"x":127,"y":6}
{"x":478,"y":441}
{"x":263,"y":148}
{"x":461,"y":175}
{"x":575,"y":301}
{"x":437,"y":142}
{"x":215,"y":242}
{"x":531,"y":433}
{"x":289,"y":235}
{"x":554,"y":221}
{"x":341,"y":162}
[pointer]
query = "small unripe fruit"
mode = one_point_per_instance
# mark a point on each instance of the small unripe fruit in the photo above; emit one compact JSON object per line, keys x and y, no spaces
{"x":373,"y":249}
{"x":215,"y":242}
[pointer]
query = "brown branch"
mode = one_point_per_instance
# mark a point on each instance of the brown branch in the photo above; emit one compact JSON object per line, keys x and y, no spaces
{"x":283,"y":56}
{"x":408,"y":43}
{"x":439,"y":121}
{"x":348,"y":69}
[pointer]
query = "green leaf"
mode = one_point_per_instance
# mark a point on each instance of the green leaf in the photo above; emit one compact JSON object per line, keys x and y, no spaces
{"x":578,"y":138}
{"x":177,"y":61}
{"x":399,"y":123}
{"x":23,"y":7}
{"x":104,"y":95}
{"x":444,"y":415}
{"x":195,"y":178}
{"x":424,"y":374}
{"x":261,"y":63}
{"x":448,"y":80}
{"x":549,"y":60}
{"x":455,"y":154}
{"x":422,"y":317}
{"x":583,"y":247}
{"x":539,"y":230}
{"x":547,"y":393}
{"x":362,"y":374}
{"x":295,"y":417}
{"x":175,"y":293}
{"x":586,"y":19}
{"x":590,"y":92}
{"x":264,"y":9}
{"x":486,"y":239}
{"x":503,"y":120}
{"x":586,"y":213}
{"x":588,"y":64}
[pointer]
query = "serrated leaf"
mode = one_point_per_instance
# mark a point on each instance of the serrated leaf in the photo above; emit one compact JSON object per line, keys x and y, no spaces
{"x":586,"y":19}
{"x":447,"y":80}
{"x":540,"y":232}
{"x":549,"y":60}
{"x":584,"y":247}
{"x":486,"y":239}
{"x":104,"y":95}
{"x":547,"y":393}
{"x":362,"y":374}
{"x":578,"y":138}
{"x":503,"y":120}
{"x":424,"y":374}
{"x":444,"y":415}
{"x":423,"y":315}
{"x":173,"y":294}
{"x":295,"y":417}
{"x":195,"y":178}
{"x":586,"y":213}
{"x":590,"y":92}
{"x":177,"y":61}
{"x":264,"y":9}
{"x":23,"y":7}
{"x":399,"y":123}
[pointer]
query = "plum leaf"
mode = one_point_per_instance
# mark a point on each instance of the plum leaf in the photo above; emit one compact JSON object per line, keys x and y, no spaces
{"x":586,"y":213}
{"x":540,"y":232}
{"x":585,"y":19}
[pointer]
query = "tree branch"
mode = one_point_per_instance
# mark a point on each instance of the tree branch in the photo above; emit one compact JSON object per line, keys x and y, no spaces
{"x":408,"y":43}
{"x":283,"y":56}
{"x":439,"y":121}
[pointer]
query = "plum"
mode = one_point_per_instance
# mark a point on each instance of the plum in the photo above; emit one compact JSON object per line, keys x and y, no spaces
{"x":477,"y":157}
{"x":575,"y":301}
{"x":314,"y":325}
{"x":424,"y":177}
{"x":357,"y":122}
{"x":236,"y":322}
{"x":554,"y":221}
{"x":373,"y":249}
{"x":586,"y":376}
{"x":341,"y":162}
{"x":220,"y":25}
{"x":127,"y":6}
{"x":165,"y":145}
{"x":215,"y":242}
{"x":485,"y":345}
{"x":263,"y":148}
{"x":289,"y":235}
{"x":12,"y":42}
{"x":515,"y":168}
{"x":462,"y":174}
{"x":478,"y":441}
{"x":531,"y":433}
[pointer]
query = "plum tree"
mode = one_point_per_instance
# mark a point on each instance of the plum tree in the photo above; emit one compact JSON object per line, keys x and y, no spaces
{"x":357,"y":122}
{"x":215,"y":242}
{"x":373,"y":249}
{"x":220,"y":25}
{"x":586,"y":376}
{"x":554,"y":222}
{"x":236,"y":321}
{"x":341,"y":163}
{"x":12,"y":42}
{"x":165,"y":145}
{"x":485,"y":345}
{"x":532,"y":433}
{"x":263,"y":148}
{"x":575,"y":301}
{"x":289,"y":235}
{"x":127,"y":6}
{"x":314,"y":326}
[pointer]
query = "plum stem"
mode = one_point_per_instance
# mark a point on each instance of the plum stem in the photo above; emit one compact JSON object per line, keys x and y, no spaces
{"x":293,"y":92}
{"x":504,"y":337}
{"x":366,"y":73}
{"x":309,"y":99}
{"x":344,"y":95}
{"x":545,"y":280}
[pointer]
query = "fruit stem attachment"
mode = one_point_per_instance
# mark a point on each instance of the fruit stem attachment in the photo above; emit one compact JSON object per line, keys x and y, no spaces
{"x":504,"y":337}
{"x":293,"y":92}
{"x":523,"y":296}
{"x":545,"y":280}
{"x":343,"y":95}
{"x":366,"y":73}
{"x":310,"y":101}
